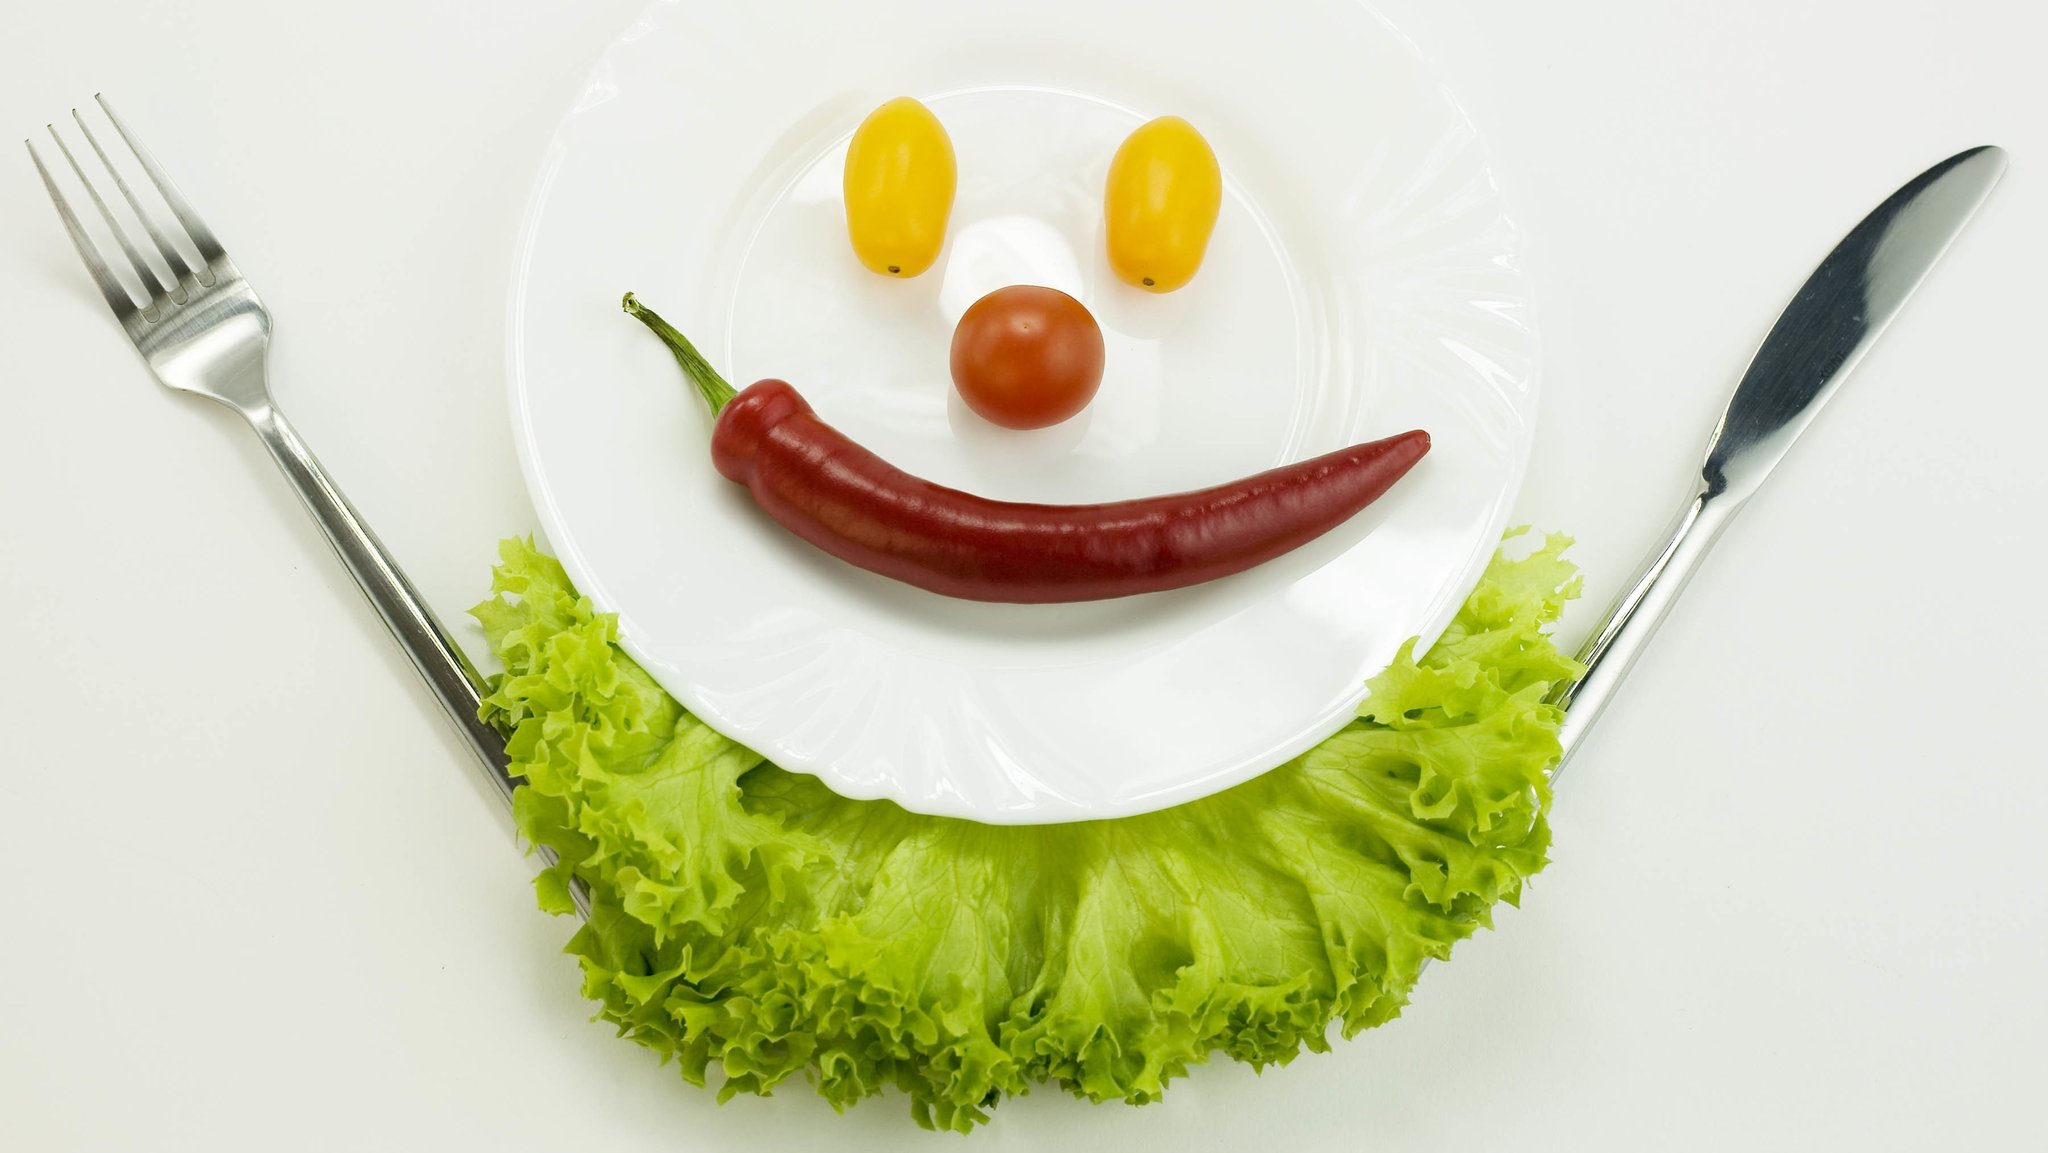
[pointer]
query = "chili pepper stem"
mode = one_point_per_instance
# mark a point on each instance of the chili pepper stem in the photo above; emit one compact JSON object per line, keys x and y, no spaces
{"x":712,"y":387}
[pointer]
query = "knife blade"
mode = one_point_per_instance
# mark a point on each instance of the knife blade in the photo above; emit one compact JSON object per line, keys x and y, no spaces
{"x":1822,"y":335}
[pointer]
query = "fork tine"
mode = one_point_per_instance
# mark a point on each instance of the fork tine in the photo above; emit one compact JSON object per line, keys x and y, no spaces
{"x":142,"y":269}
{"x":111,"y":287}
{"x":202,"y":236}
{"x":173,"y":257}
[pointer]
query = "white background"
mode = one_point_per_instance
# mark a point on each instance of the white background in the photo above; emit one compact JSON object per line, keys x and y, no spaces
{"x":257,"y":901}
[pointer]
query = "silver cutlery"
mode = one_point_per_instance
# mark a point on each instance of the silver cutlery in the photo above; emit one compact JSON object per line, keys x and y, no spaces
{"x":201,"y":329}
{"x":1817,"y":341}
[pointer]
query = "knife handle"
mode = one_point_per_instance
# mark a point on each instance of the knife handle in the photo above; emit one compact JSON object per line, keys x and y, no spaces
{"x":1637,"y":612}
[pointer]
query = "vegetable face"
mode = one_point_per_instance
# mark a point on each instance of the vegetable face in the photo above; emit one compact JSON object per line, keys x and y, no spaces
{"x":1159,"y":208}
{"x":849,"y":502}
{"x":899,"y":183}
{"x":1027,"y":357}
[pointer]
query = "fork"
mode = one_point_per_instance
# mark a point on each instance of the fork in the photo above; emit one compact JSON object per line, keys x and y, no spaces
{"x":202,"y":330}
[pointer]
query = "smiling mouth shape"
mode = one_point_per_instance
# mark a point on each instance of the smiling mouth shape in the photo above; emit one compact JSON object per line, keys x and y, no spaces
{"x":817,"y":483}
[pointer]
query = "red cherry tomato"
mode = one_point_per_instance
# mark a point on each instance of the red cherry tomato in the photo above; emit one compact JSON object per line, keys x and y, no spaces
{"x":1027,"y":357}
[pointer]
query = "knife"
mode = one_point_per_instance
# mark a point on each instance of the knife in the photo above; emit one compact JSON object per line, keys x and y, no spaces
{"x":1818,"y":340}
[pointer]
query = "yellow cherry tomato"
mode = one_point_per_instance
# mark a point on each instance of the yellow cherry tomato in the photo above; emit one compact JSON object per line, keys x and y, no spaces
{"x":900,"y":177}
{"x":1165,"y":189}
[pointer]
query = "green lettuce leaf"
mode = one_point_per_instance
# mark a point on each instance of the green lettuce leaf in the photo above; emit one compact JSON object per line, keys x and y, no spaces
{"x":751,"y":925}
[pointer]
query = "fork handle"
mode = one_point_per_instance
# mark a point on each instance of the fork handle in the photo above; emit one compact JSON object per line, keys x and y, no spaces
{"x":453,"y":679}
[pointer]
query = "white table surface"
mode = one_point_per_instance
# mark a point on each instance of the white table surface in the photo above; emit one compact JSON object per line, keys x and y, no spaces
{"x":257,"y":900}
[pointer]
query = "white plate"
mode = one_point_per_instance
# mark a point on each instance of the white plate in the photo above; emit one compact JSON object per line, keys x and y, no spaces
{"x":1362,"y":281}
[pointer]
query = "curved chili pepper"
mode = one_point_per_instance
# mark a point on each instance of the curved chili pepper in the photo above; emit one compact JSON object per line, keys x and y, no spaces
{"x":851,"y":503}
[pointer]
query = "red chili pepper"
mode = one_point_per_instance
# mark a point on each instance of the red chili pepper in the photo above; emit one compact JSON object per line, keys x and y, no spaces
{"x":846,"y":500}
